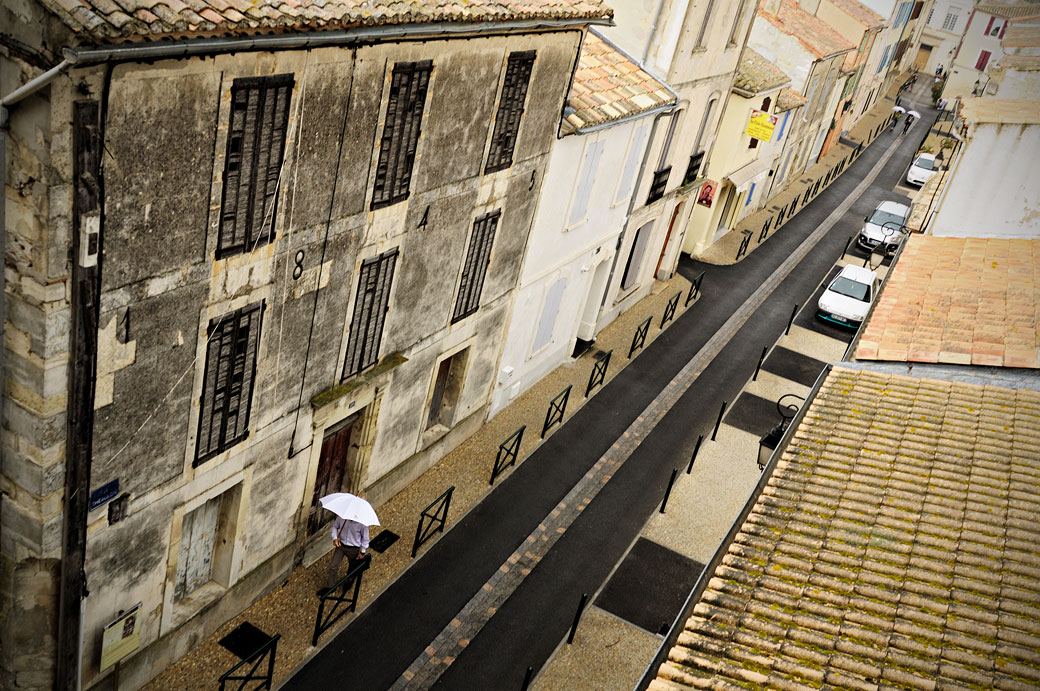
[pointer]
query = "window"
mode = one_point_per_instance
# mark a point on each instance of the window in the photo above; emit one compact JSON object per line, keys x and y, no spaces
{"x":704,"y":24}
{"x":952,"y":15}
{"x":580,"y":204}
{"x":916,"y":11}
{"x":447,"y":386}
{"x":475,"y":268}
{"x":510,"y":108}
{"x":635,"y":257}
{"x":550,"y":310}
{"x":397,"y":148}
{"x":780,"y":132}
{"x":207,"y":543}
{"x":255,"y":145}
{"x":884,"y":58}
{"x":931,"y":14}
{"x":736,"y":23}
{"x":983,"y":60}
{"x":635,"y":152}
{"x":811,"y":99}
{"x":659,"y":183}
{"x":370,"y":305}
{"x":227,"y":385}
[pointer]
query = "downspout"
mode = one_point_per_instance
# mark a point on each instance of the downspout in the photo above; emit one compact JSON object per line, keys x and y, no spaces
{"x":653,"y":30}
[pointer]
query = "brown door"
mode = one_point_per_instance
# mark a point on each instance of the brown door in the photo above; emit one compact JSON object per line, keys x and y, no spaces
{"x":667,"y":237}
{"x":332,"y":465}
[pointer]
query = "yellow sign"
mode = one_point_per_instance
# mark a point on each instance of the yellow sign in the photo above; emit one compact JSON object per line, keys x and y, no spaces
{"x":121,"y":637}
{"x":761,"y":125}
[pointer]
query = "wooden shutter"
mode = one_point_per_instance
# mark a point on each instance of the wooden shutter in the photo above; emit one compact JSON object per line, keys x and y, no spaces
{"x":399,"y":142}
{"x":989,"y":25}
{"x":370,"y":305}
{"x":983,"y":60}
{"x":227,"y":384}
{"x":255,"y":149}
{"x":474,"y":270}
{"x":510,"y":110}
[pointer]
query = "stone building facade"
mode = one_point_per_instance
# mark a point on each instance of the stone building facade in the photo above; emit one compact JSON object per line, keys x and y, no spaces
{"x":241,"y":275}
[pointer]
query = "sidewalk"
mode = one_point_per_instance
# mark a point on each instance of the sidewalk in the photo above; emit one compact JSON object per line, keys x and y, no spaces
{"x":786,"y":204}
{"x":290,"y":609}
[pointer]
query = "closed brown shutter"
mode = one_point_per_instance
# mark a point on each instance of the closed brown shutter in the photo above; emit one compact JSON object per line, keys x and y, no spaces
{"x":227,"y":385}
{"x":510,"y":110}
{"x":474,"y":270}
{"x":405,"y":106}
{"x":366,"y":325}
{"x":255,"y":149}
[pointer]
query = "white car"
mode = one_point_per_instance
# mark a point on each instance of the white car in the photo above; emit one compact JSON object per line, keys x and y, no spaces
{"x":848,"y":298}
{"x":922,"y":169}
{"x":885,"y":227}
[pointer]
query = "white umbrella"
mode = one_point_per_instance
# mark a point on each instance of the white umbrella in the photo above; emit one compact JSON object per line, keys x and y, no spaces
{"x":350,"y":507}
{"x":915,"y":114}
{"x":899,"y":109}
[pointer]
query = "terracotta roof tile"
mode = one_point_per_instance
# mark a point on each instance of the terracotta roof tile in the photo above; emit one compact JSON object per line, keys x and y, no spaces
{"x":609,"y":86}
{"x":101,"y":21}
{"x":756,"y":74}
{"x":867,"y":573}
{"x":959,"y":301}
{"x":788,"y":99}
{"x":860,"y":12}
{"x":819,"y":37}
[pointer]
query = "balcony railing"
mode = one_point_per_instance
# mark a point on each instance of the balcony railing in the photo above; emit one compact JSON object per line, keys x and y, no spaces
{"x":694,"y":168}
{"x":658,"y":185}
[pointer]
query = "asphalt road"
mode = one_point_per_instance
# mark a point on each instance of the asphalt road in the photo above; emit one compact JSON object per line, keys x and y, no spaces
{"x":381,"y":642}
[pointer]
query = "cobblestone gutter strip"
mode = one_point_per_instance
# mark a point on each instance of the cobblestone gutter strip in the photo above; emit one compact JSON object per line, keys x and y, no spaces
{"x":441,"y":653}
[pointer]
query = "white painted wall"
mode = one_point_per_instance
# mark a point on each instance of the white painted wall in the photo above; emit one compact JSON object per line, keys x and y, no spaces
{"x":993,"y":190}
{"x":585,"y":198}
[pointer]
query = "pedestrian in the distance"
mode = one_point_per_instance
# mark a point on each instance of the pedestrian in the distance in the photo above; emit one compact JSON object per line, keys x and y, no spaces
{"x":909,"y":121}
{"x":351,"y":541}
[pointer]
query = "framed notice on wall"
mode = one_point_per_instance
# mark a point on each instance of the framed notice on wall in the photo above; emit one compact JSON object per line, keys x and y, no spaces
{"x":121,"y":637}
{"x":707,"y":193}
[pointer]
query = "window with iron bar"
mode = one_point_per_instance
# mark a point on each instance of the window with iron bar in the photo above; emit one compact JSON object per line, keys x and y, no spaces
{"x":255,"y":146}
{"x":227,"y":385}
{"x":510,"y":109}
{"x":658,"y":185}
{"x":373,"y":299}
{"x":694,"y":168}
{"x":475,"y":269}
{"x":397,"y":147}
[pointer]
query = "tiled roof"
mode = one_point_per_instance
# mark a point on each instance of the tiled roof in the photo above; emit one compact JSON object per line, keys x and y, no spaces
{"x":1010,"y":10}
{"x":755,"y":74}
{"x":1025,"y":63}
{"x":894,"y":546}
{"x":788,"y":99}
{"x":860,"y":12}
{"x":109,"y":21}
{"x":959,"y":301}
{"x":1021,"y":36}
{"x":608,"y":86}
{"x":817,"y":36}
{"x":1006,"y":111}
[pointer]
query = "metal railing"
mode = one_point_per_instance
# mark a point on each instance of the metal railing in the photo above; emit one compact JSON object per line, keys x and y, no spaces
{"x":669,"y":309}
{"x":508,"y":453}
{"x":432,"y":520}
{"x":599,"y":371}
{"x":343,"y":597}
{"x":639,"y":338}
{"x":557,"y":408}
{"x":265,"y":678}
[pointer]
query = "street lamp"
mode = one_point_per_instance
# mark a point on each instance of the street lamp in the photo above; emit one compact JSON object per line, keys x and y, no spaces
{"x":768,"y":443}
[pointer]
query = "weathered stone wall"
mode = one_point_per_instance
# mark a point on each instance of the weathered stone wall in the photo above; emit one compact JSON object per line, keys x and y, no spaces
{"x":36,"y":223}
{"x":165,"y":140}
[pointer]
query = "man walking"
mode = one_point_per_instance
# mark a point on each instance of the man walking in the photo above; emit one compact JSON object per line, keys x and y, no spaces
{"x":351,"y":540}
{"x":906,"y":124}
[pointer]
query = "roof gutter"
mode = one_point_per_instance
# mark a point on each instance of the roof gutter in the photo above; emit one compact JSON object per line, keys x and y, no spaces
{"x":663,"y":108}
{"x":184,"y":48}
{"x":751,"y":94}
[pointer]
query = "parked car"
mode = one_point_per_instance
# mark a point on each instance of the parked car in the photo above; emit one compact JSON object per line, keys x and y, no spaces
{"x":885,"y":227}
{"x":847,"y":299}
{"x":922,"y":169}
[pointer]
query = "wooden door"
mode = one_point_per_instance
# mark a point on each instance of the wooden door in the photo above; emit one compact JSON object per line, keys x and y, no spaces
{"x":667,"y":237}
{"x":332,"y":466}
{"x":195,"y":558}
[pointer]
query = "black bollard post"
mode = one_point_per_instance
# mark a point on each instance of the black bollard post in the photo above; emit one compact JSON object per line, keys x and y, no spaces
{"x":791,"y":320}
{"x":668,"y":489}
{"x":761,"y":359}
{"x":527,"y":678}
{"x":718,"y":421}
{"x":577,"y":617}
{"x":689,"y":468}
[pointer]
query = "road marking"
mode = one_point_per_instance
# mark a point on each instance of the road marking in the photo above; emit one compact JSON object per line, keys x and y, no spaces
{"x":464,"y":627}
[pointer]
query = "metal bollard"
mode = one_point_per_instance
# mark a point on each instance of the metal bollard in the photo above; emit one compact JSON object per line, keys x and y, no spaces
{"x":689,"y":468}
{"x":761,"y":359}
{"x":718,"y":421}
{"x":790,"y":321}
{"x":668,"y":489}
{"x":577,"y":617}
{"x":527,"y":678}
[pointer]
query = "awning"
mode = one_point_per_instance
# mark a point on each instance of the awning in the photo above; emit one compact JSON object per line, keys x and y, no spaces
{"x":742,"y":176}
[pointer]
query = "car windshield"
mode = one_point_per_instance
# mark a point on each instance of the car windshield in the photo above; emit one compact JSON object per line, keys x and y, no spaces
{"x":849,"y":288}
{"x":880,"y":218}
{"x":925,"y":164}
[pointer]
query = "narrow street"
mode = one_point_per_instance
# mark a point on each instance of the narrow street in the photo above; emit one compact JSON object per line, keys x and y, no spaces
{"x":384,"y":640}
